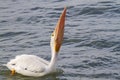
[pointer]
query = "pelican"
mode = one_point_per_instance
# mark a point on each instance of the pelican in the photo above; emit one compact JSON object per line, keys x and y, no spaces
{"x":31,"y":65}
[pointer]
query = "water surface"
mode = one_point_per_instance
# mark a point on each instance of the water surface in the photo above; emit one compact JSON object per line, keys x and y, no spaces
{"x":91,"y":46}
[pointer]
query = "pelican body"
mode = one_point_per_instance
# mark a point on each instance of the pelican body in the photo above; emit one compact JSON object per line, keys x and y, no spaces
{"x":31,"y":65}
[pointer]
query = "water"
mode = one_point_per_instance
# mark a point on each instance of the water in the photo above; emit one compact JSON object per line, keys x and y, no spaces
{"x":91,"y":47}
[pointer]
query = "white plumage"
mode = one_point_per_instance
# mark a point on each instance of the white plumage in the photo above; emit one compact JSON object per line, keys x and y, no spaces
{"x":31,"y":65}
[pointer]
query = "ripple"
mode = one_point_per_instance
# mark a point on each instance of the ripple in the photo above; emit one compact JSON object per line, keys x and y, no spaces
{"x":96,"y":9}
{"x":103,"y":75}
{"x":116,"y":10}
{"x":3,"y":21}
{"x":33,"y":20}
{"x":36,"y":8}
{"x":96,"y":64}
{"x":99,"y":44}
{"x":90,"y":10}
{"x":11,"y":34}
{"x":104,"y":59}
{"x":116,"y":49}
{"x":106,"y":2}
{"x":58,"y":0}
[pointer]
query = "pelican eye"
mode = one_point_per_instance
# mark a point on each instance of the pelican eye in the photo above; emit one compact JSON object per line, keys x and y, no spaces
{"x":52,"y":34}
{"x":13,"y":64}
{"x":25,"y":68}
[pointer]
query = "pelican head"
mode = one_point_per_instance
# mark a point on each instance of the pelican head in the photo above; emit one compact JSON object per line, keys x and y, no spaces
{"x":12,"y":64}
{"x":58,"y":33}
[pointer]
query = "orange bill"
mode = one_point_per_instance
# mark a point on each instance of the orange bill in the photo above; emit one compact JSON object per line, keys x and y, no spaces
{"x":59,"y":30}
{"x":12,"y":71}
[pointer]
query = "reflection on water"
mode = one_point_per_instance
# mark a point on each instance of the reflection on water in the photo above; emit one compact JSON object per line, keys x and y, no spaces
{"x":91,"y":45}
{"x":6,"y":74}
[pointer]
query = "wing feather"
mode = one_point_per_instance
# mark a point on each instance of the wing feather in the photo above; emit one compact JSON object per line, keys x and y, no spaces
{"x":31,"y":63}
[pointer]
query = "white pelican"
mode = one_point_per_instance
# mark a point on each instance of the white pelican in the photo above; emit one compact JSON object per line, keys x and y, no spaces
{"x":31,"y":65}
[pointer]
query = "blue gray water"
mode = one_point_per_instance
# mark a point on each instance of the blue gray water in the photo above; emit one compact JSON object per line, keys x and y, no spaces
{"x":91,"y":46}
